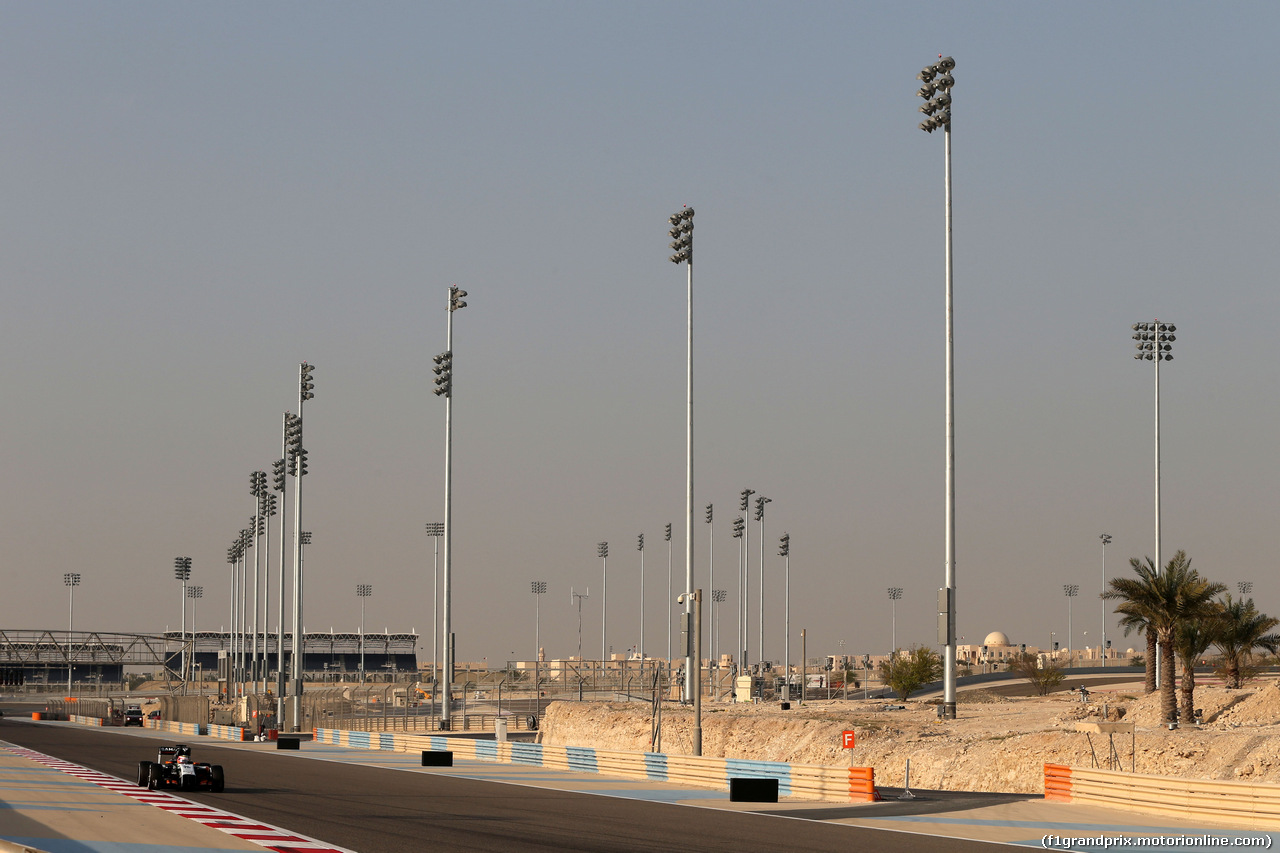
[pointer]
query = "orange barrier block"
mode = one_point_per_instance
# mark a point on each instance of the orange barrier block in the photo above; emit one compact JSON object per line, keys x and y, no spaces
{"x":862,"y":785}
{"x":36,"y":715}
{"x":1057,"y":783}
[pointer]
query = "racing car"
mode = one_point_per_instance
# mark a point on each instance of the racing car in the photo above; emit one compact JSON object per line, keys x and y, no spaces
{"x":174,"y":768}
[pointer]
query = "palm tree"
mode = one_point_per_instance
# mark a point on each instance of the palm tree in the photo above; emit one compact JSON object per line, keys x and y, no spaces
{"x":1243,"y":629}
{"x":1133,"y":596}
{"x":1164,"y":599}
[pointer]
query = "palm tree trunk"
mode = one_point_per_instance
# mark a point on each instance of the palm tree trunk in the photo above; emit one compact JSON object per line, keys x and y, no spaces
{"x":1168,"y":675}
{"x":1151,"y":660}
{"x":1187,"y":709}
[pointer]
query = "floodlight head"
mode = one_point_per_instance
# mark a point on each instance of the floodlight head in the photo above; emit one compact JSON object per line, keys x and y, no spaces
{"x":927,"y":73}
{"x":927,"y":91}
{"x":1173,"y":328}
{"x":946,"y":81}
{"x":946,"y":63}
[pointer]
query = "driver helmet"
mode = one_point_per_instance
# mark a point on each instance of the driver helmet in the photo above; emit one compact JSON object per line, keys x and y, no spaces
{"x":184,"y":759}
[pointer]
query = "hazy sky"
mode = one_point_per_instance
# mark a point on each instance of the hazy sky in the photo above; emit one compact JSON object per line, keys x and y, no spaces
{"x":199,"y":196}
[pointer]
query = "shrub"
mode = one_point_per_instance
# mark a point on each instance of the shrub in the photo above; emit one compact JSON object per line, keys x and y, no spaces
{"x":905,"y":674}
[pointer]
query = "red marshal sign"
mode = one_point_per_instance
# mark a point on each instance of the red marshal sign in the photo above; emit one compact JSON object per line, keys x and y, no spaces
{"x":848,"y":740}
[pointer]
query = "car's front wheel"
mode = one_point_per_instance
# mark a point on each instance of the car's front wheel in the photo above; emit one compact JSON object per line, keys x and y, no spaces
{"x":155,"y":777}
{"x":144,"y":773}
{"x":217,"y":781}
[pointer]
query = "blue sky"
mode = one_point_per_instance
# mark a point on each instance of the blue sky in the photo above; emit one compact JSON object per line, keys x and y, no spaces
{"x":198,"y":197}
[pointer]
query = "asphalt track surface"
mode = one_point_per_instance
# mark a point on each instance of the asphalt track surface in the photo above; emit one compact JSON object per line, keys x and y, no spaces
{"x":375,"y":810}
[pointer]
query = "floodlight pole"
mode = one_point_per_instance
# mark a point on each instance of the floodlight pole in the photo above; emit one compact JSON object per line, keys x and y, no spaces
{"x":445,"y":389}
{"x":279,"y":474}
{"x":937,"y":94}
{"x":1102,"y":647}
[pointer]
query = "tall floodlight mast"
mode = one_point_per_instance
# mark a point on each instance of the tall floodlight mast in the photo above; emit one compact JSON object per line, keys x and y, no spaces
{"x":936,"y":91}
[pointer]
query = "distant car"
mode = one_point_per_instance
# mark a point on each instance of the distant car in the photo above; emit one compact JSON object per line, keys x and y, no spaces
{"x":133,"y":717}
{"x":174,"y":768}
{"x":154,"y":715}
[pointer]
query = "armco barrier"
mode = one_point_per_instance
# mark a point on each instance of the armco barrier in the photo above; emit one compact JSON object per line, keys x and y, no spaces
{"x":228,"y":732}
{"x":1245,"y":804}
{"x":175,"y":727}
{"x":86,"y":721}
{"x":840,"y":784}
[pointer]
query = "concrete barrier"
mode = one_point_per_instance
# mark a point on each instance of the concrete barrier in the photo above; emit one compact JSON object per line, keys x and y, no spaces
{"x":1251,"y":804}
{"x":175,"y":727}
{"x":227,"y":732}
{"x":811,"y":782}
{"x":82,"y":720}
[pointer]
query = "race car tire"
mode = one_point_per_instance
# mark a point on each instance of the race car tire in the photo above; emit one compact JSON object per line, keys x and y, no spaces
{"x":216,"y":779}
{"x":144,"y":773}
{"x":155,"y":777}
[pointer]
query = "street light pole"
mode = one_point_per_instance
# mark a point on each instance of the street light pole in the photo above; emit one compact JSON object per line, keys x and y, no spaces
{"x":740,"y":533}
{"x":258,"y":489}
{"x":444,"y":388}
{"x":278,"y":473}
{"x":640,"y":548}
{"x":268,"y":512}
{"x":744,"y":504}
{"x":602,"y":551}
{"x":760,"y":502}
{"x":72,"y":580}
{"x":711,"y":585}
{"x":1154,"y":343}
{"x":577,"y":597}
{"x":936,"y":90}
{"x":298,"y":468}
{"x":682,"y":244}
{"x":363,"y":590}
{"x":784,"y":551}
{"x":1102,"y":646}
{"x":539,"y":589}
{"x":1072,"y":590}
{"x":233,"y":559}
{"x":195,"y":593}
{"x":670,"y":601}
{"x":182,"y":572}
{"x":895,"y":594}
{"x":718,"y":597}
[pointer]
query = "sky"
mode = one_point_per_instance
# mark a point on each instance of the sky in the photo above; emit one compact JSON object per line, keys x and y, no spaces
{"x":197,"y":197}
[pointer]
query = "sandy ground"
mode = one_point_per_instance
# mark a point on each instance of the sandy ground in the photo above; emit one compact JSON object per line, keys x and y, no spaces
{"x":995,"y":744}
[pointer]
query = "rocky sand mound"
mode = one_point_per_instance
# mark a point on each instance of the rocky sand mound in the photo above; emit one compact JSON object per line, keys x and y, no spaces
{"x":999,"y":745}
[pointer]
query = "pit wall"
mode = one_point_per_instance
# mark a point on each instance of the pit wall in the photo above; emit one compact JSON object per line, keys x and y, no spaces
{"x":227,"y":732}
{"x":831,"y":784}
{"x":175,"y":727}
{"x":1250,"y":804}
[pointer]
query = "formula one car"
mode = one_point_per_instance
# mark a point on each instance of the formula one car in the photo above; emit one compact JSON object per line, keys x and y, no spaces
{"x":174,"y":768}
